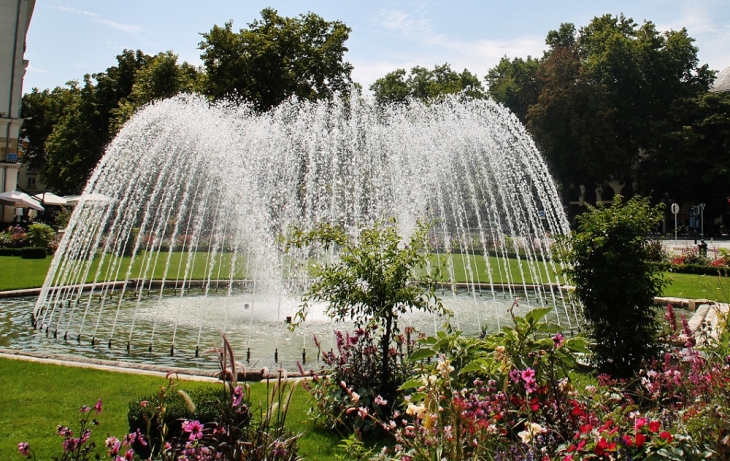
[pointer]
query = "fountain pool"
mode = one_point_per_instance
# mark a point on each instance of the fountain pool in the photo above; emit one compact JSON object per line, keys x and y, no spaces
{"x":194,"y":198}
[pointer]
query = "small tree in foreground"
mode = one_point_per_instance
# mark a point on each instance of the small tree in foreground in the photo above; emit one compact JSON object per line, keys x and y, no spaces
{"x":372,"y":283}
{"x":609,"y":262}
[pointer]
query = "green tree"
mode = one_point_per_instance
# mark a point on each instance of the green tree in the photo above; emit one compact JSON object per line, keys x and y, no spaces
{"x":692,"y":162}
{"x":424,"y":84}
{"x":515,"y":84}
{"x":608,"y":261}
{"x":159,"y":77}
{"x":42,"y":110}
{"x":76,"y":143}
{"x":276,"y":58}
{"x":601,"y":95}
{"x":373,"y":282}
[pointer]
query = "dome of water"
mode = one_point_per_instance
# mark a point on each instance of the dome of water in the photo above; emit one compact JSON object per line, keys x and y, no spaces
{"x":193,"y":198}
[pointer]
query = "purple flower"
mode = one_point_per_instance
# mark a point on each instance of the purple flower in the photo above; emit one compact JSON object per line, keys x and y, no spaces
{"x":129,"y":455}
{"x":24,"y":448}
{"x":97,"y":407}
{"x":558,"y":340}
{"x":515,"y":376}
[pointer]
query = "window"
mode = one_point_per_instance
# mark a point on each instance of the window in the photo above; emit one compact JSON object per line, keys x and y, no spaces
{"x":31,"y":183}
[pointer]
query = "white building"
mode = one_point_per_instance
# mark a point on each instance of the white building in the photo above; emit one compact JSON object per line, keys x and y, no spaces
{"x":14,"y":22}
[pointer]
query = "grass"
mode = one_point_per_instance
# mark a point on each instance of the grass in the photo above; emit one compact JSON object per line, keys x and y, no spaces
{"x":30,"y":273}
{"x":41,"y":396}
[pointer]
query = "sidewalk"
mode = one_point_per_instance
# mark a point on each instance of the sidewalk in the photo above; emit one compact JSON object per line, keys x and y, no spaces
{"x":682,"y":244}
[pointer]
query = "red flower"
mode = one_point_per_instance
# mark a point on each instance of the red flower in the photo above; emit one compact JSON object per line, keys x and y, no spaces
{"x":654,"y":426}
{"x":666,"y":436}
{"x":640,"y":440}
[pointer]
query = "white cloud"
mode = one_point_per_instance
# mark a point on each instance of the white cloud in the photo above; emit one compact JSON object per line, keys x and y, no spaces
{"x":36,"y":70}
{"x":129,"y":28}
{"x":402,"y":21}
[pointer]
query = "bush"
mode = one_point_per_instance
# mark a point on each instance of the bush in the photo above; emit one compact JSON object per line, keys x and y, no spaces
{"x":9,"y":251}
{"x":608,"y":260}
{"x":33,"y":253}
{"x":350,"y":375}
{"x":143,"y":415}
{"x":40,"y":235}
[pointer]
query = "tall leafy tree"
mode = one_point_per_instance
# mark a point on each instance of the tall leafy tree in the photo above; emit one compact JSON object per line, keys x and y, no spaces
{"x":692,"y":162}
{"x":76,"y":143}
{"x":276,"y":58}
{"x":601,"y":95}
{"x":425,"y":84}
{"x":42,"y":111}
{"x":159,"y":77}
{"x":515,"y":84}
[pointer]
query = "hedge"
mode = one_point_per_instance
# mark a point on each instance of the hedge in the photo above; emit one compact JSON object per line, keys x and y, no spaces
{"x":33,"y":253}
{"x":9,"y":251}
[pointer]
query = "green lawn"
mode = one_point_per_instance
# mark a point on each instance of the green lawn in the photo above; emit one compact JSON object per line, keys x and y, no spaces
{"x":35,"y":398}
{"x":29,"y":273}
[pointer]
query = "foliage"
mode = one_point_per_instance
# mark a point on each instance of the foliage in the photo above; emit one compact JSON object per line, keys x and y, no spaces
{"x":275,"y":58}
{"x":425,"y":85}
{"x":600,"y":94}
{"x":69,"y":127}
{"x":348,"y":376}
{"x":63,"y":217}
{"x":608,"y":261}
{"x":40,"y":235}
{"x":372,"y":284}
{"x":33,"y":252}
{"x":692,"y":162}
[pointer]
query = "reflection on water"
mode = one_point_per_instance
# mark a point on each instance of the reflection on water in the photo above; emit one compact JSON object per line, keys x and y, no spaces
{"x":255,"y":326}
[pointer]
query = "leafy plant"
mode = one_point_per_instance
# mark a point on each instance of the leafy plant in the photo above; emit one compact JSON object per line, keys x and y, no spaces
{"x":608,"y":260}
{"x":372,"y":284}
{"x":40,"y":235}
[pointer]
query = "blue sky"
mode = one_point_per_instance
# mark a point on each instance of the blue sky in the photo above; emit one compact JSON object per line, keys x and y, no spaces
{"x":70,"y":38}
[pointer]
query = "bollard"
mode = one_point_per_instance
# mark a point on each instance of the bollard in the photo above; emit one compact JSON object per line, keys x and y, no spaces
{"x":276,"y":355}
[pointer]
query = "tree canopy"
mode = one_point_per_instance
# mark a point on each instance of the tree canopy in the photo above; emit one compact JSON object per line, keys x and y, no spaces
{"x":425,"y":84}
{"x":601,"y":95}
{"x":276,"y":58}
{"x":70,"y":127}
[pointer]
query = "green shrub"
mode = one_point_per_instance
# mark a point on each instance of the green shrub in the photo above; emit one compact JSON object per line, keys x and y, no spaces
{"x":609,"y":263}
{"x":143,"y":414}
{"x":9,"y":251}
{"x":40,"y":235}
{"x":33,"y":253}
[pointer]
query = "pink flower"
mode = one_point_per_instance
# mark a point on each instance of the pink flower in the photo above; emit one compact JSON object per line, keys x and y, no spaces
{"x":237,"y":396}
{"x":144,"y":403}
{"x":85,"y":409}
{"x":113,"y":445}
{"x":528,"y":374}
{"x":97,"y":407}
{"x":558,"y":340}
{"x":24,"y":448}
{"x":195,"y":428}
{"x":129,"y":455}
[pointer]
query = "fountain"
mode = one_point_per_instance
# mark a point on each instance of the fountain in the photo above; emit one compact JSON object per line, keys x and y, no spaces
{"x":176,"y":238}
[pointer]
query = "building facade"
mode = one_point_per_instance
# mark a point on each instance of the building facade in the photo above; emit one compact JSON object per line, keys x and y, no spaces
{"x":14,"y":23}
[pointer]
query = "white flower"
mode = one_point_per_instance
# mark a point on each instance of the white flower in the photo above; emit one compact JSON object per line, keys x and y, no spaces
{"x":355,"y":397}
{"x":530,"y":432}
{"x":415,"y":410}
